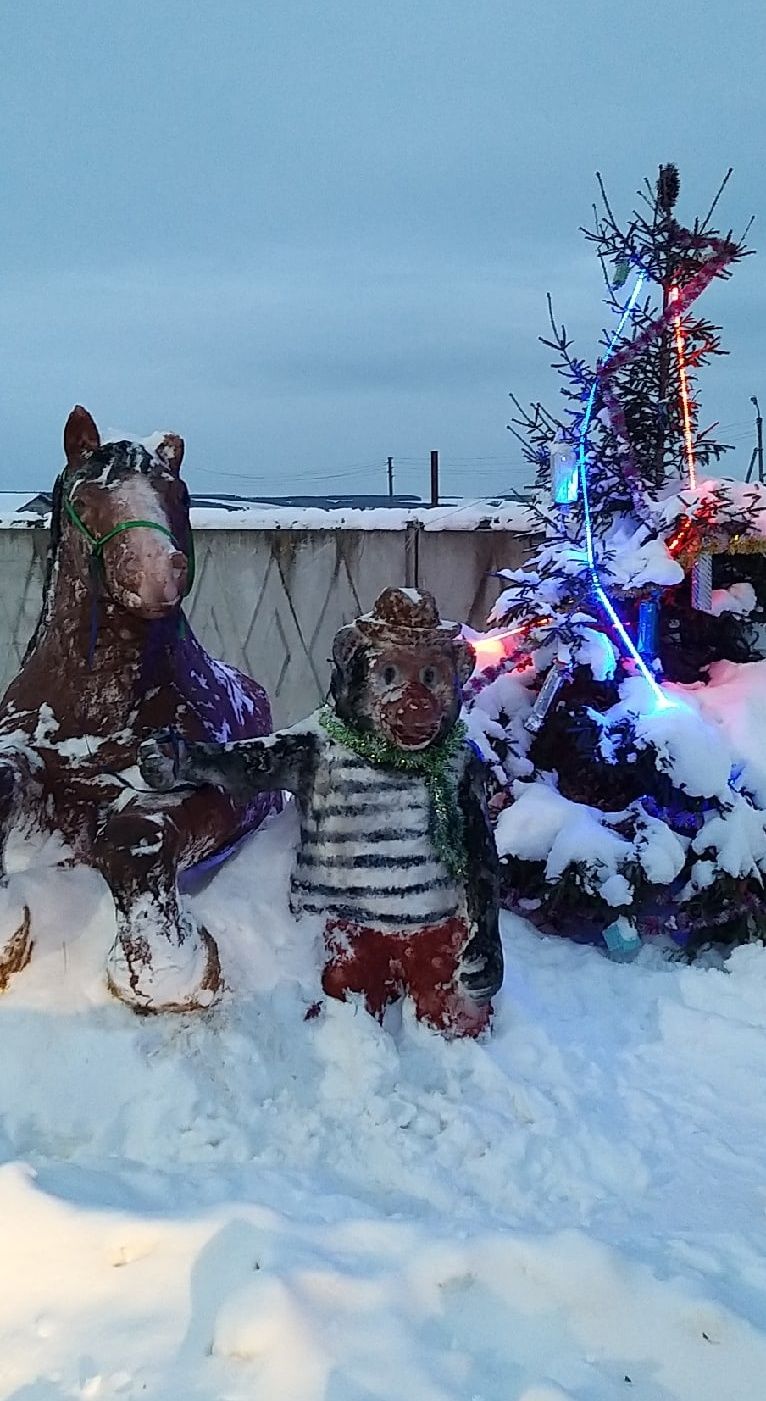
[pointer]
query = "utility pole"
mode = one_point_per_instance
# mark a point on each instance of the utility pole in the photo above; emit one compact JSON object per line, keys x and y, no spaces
{"x":434,"y":478}
{"x":758,"y":449}
{"x":390,"y":476}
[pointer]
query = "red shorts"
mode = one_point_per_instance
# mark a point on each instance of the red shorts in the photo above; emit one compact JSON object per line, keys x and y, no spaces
{"x":385,"y":965}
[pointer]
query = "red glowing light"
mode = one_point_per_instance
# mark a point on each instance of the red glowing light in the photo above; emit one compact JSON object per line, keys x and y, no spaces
{"x":681,"y":537}
{"x":495,"y":648}
{"x":490,"y":650}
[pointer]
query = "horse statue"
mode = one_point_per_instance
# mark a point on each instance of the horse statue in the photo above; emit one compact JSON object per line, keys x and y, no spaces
{"x":113,"y":659}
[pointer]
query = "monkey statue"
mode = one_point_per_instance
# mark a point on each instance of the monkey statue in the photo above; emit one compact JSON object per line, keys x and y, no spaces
{"x":396,"y":851}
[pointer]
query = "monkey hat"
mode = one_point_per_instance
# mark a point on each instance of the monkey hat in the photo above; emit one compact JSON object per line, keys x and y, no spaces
{"x":406,"y":617}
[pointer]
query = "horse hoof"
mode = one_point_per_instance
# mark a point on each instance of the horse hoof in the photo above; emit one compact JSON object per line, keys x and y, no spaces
{"x":164,"y":975}
{"x":16,"y":951}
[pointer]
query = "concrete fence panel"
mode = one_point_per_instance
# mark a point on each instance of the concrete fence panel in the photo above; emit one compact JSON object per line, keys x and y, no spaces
{"x":271,"y":600}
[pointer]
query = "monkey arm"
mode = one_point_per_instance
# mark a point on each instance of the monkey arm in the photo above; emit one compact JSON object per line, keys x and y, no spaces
{"x":482,"y":963}
{"x":241,"y":767}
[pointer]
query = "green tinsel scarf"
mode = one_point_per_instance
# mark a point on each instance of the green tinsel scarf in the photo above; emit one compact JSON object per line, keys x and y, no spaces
{"x":436,"y":766}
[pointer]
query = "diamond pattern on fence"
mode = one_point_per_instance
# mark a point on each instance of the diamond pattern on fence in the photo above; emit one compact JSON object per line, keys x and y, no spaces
{"x":271,"y":602}
{"x":22,"y":571}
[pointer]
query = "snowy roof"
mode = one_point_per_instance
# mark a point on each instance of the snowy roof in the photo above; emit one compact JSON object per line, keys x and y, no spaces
{"x":508,"y":513}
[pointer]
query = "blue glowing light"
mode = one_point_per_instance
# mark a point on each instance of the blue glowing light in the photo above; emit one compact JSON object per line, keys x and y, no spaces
{"x":590,"y":553}
{"x":648,"y":628}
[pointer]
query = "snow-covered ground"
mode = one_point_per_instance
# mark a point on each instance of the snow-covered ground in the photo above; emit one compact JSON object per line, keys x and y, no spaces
{"x":254,"y":1206}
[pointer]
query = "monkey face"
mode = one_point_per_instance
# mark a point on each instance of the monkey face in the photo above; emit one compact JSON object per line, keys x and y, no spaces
{"x":413,"y":694}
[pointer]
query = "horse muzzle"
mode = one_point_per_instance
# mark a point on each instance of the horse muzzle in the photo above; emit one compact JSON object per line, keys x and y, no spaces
{"x":149,"y":584}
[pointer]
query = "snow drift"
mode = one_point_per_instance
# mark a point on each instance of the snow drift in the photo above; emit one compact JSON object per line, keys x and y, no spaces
{"x":277,"y":1201}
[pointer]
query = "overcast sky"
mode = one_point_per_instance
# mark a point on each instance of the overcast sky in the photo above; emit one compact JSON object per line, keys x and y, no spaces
{"x":306,"y":234}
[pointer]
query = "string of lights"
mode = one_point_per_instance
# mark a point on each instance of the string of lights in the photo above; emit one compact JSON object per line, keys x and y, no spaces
{"x":590,"y":553}
{"x":680,"y":344}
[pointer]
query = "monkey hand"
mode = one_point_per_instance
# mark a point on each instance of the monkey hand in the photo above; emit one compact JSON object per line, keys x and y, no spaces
{"x":481,"y":969}
{"x":161,"y":759}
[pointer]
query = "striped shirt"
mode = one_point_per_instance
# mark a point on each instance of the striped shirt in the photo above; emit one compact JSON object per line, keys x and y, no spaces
{"x":366,"y":852}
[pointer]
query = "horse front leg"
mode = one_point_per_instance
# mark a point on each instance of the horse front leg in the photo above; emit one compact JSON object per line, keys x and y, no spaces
{"x":161,"y":959}
{"x":15,"y":923}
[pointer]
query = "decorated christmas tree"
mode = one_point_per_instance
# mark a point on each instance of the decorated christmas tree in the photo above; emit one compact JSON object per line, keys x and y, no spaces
{"x":623,"y":808}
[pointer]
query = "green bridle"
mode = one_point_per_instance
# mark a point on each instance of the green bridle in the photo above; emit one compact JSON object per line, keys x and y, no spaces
{"x":97,"y":542}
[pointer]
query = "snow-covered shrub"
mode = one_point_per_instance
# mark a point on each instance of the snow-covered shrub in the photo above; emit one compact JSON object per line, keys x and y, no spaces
{"x":621,"y":806}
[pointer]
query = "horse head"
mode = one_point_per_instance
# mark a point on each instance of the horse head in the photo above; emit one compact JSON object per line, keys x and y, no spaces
{"x":126,"y":510}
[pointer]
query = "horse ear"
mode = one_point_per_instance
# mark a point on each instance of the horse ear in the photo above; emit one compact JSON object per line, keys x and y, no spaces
{"x":171,"y":451}
{"x":81,"y":436}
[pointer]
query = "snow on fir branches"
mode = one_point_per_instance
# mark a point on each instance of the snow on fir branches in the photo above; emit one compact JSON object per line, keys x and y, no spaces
{"x":643,"y":432}
{"x":647,"y":570}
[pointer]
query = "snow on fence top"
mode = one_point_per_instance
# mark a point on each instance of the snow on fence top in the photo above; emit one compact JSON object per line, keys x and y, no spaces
{"x":19,"y":511}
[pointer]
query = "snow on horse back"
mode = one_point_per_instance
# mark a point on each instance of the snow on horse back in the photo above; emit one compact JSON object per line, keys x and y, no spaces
{"x":113,"y":659}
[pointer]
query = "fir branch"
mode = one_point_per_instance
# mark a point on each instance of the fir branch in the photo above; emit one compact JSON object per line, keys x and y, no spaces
{"x":719,"y":192}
